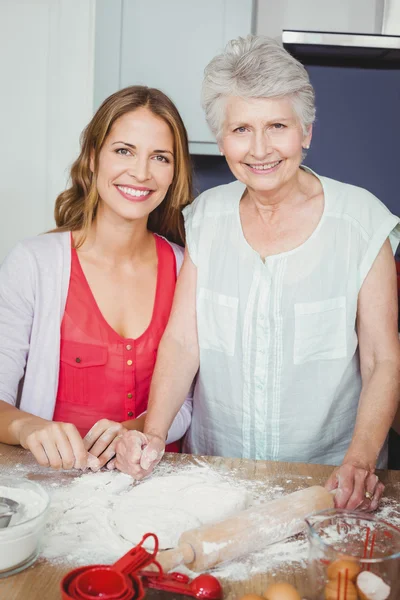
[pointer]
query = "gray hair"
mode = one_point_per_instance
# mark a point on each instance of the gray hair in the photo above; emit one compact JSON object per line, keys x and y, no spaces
{"x":256,"y":67}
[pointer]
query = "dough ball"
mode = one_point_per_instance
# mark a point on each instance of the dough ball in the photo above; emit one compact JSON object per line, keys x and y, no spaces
{"x":212,"y":503}
{"x":168,"y":506}
{"x":162,"y":491}
{"x":131,"y":523}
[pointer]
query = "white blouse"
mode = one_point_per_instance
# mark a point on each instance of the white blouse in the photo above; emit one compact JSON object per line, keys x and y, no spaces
{"x":279,"y":374}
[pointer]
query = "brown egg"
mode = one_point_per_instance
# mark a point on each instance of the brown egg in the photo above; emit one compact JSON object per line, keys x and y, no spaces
{"x":337,"y":589}
{"x":371,"y":586}
{"x":281,"y":591}
{"x":251,"y":597}
{"x":341,"y":566}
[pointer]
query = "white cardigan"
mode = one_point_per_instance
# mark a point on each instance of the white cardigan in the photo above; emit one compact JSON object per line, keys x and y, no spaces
{"x":34,"y":280}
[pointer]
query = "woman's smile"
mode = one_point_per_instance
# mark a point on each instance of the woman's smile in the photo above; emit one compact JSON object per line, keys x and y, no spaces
{"x":264,"y":168}
{"x":134,"y":193}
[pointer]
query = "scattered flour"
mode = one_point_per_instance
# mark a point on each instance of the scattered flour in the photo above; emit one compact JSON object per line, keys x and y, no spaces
{"x":82,"y":526}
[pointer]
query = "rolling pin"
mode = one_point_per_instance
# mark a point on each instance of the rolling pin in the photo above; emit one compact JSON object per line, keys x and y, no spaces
{"x":247,"y":531}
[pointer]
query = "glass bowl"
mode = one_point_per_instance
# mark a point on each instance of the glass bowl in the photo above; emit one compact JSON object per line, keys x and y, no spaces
{"x":352,"y":551}
{"x":20,"y":541}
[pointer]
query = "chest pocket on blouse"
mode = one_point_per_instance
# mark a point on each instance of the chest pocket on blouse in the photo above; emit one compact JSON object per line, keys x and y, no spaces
{"x":320,"y":330}
{"x":217,"y":321}
{"x":82,"y":372}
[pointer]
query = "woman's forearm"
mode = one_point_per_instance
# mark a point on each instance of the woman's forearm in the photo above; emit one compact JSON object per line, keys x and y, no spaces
{"x":11,"y":421}
{"x":379,"y":402}
{"x":396,"y":422}
{"x":176,"y":367}
{"x":135,"y":424}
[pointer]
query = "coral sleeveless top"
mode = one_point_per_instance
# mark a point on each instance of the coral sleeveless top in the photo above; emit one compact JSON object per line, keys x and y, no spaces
{"x":103,"y":375}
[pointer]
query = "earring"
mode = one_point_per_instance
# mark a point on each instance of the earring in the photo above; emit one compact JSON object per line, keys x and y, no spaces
{"x":221,"y":153}
{"x":306,"y":147}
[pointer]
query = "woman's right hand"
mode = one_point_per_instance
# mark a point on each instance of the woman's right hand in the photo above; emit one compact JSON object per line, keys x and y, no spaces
{"x":53,"y":444}
{"x":138,"y":453}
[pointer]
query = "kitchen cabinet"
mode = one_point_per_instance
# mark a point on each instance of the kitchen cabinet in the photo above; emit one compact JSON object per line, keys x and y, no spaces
{"x":354,"y":16}
{"x":166,"y":45}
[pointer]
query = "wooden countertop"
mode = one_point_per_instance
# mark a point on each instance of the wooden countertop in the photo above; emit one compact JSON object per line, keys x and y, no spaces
{"x":41,"y":581}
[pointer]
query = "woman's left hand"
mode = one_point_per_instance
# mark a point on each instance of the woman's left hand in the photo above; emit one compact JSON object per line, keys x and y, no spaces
{"x":100,"y":442}
{"x":356,"y":487}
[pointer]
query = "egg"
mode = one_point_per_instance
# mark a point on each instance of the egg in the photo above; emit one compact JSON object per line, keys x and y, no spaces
{"x":339,"y":589}
{"x":372,"y":587}
{"x":281,"y":591}
{"x":341,"y":566}
{"x":251,"y":597}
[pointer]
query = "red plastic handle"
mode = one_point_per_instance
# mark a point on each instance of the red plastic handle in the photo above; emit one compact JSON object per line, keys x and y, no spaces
{"x":206,"y":587}
{"x":124,"y":579}
{"x":137,"y":558}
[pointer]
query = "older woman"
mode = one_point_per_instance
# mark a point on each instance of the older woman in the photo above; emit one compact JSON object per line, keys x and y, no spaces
{"x":286,"y":303}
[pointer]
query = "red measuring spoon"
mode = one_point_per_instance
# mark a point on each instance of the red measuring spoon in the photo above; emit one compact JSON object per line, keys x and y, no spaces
{"x":119,"y":581}
{"x":125,"y":579}
{"x":205,"y":587}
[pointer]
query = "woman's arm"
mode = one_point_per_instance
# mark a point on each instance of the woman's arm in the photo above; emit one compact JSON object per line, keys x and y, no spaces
{"x":396,"y":422}
{"x":58,"y":445}
{"x":182,"y":421}
{"x":12,"y":420}
{"x":380,"y":370}
{"x":53,"y":444}
{"x":177,"y":357}
{"x":176,"y":366}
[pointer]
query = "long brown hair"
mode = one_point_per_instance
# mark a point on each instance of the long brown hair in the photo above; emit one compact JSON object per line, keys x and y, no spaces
{"x":76,"y":207}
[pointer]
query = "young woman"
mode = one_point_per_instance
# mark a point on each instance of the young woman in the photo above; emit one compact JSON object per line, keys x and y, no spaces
{"x":83,"y":308}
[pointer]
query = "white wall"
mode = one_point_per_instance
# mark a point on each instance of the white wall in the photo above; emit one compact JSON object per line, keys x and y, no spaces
{"x":46,"y":66}
{"x":356,"y":16}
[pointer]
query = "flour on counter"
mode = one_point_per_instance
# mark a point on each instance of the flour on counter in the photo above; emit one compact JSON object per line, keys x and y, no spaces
{"x":81,"y":526}
{"x":170,"y":505}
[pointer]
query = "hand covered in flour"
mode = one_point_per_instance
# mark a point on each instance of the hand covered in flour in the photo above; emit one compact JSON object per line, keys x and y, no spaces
{"x":355,"y":487}
{"x":52,"y":443}
{"x":138,"y":453}
{"x":100,"y":442}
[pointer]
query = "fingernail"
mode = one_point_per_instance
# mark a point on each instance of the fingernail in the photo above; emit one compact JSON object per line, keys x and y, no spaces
{"x":148,"y":458}
{"x":145,"y":463}
{"x":93,"y":462}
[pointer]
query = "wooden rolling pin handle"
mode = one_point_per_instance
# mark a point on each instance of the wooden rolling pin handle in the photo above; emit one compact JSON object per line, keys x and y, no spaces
{"x":247,"y":531}
{"x":182,"y":555}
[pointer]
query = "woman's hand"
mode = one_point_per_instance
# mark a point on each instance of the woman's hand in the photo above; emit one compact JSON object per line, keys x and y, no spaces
{"x":101,"y":442}
{"x":138,"y":453}
{"x":53,"y":444}
{"x":356,"y":487}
